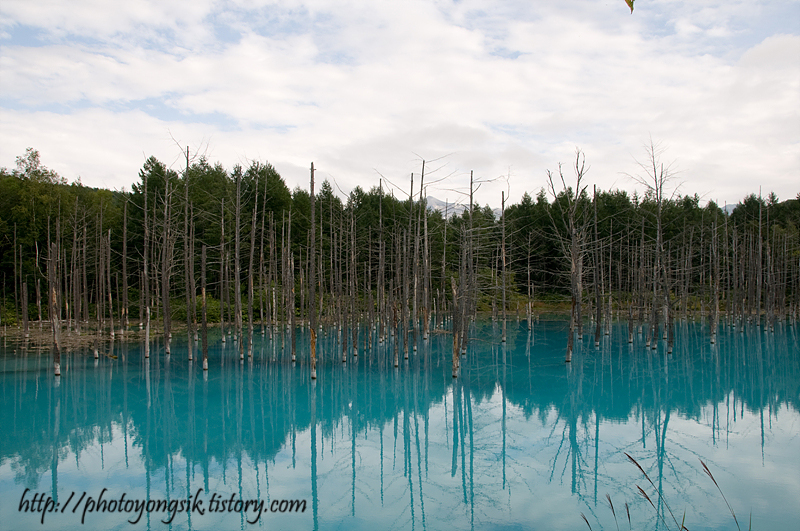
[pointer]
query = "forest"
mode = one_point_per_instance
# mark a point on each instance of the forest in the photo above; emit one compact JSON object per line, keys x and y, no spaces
{"x":239,"y":249}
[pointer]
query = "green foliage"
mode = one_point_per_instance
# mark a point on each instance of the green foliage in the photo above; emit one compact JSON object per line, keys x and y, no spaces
{"x":37,"y":206}
{"x":8,"y":316}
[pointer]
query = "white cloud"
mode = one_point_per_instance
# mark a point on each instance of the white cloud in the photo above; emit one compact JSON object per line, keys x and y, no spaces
{"x":491,"y":87}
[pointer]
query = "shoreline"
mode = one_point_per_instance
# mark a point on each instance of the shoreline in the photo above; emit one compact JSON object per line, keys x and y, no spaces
{"x":40,"y":334}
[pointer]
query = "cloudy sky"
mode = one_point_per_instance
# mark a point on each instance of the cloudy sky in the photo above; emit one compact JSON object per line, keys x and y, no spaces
{"x":507,"y":89}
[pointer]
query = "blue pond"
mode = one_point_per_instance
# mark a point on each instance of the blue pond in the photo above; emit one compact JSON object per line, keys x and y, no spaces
{"x":520,"y":440}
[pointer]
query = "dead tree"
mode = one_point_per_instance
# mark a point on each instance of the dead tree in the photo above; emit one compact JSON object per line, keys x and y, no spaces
{"x":223,"y":270}
{"x":25,"y":331}
{"x":76,"y":295}
{"x":204,"y":309}
{"x":596,"y":271}
{"x":312,"y":281}
{"x":250,"y":275}
{"x":145,"y":297}
{"x":656,"y":176}
{"x":53,"y":310}
{"x":108,"y":276}
{"x":166,"y":266}
{"x":186,"y":257}
{"x":571,"y":230}
{"x":124,"y":316}
{"x":237,"y":294}
{"x":503,"y":257}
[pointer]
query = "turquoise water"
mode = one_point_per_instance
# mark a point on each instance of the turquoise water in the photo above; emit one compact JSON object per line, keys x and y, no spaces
{"x":520,"y":441}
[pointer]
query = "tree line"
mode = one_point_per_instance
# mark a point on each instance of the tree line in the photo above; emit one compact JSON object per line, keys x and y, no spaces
{"x":239,"y":248}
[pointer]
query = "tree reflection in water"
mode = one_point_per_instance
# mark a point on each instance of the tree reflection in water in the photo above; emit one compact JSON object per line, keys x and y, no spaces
{"x":519,"y":439}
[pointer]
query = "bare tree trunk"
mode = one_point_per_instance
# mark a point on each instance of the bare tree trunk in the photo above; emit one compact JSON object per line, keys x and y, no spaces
{"x":395,"y":288}
{"x":370,"y":301}
{"x":456,"y":318}
{"x":715,"y":294}
{"x":530,"y":287}
{"x":688,"y":267}
{"x":341,"y":257}
{"x":63,"y":278}
{"x":166,"y":265}
{"x":76,"y":292}
{"x":284,"y":283}
{"x":406,"y":294}
{"x":56,"y":326}
{"x":292,"y":304}
{"x":223,"y":273}
{"x":124,"y":315}
{"x":261,"y":286}
{"x":250,"y":276}
{"x":416,"y":260}
{"x":596,"y":270}
{"x":575,"y":223}
{"x":736,"y":281}
{"x":302,"y":286}
{"x":503,"y":253}
{"x":39,"y":305}
{"x":192,"y":279}
{"x":469,"y":292}
{"x":273,"y":269}
{"x":291,"y":293}
{"x":85,"y":289}
{"x":320,"y":274}
{"x":408,"y":291}
{"x":759,"y":268}
{"x":312,"y":281}
{"x":770,"y":280}
{"x":60,"y":303}
{"x":25,"y":331}
{"x":17,"y":273}
{"x":354,"y":310}
{"x":382,"y":308}
{"x":155,"y":291}
{"x":237,"y":294}
{"x":108,"y":275}
{"x":99,"y":278}
{"x":443,"y":303}
{"x":186,"y":269}
{"x":609,"y":315}
{"x":426,"y":272}
{"x":204,"y":310}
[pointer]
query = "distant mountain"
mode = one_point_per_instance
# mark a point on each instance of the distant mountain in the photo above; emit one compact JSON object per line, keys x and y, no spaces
{"x":438,"y":204}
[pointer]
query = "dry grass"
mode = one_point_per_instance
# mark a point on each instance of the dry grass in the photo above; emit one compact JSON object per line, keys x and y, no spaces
{"x":680,"y":526}
{"x":71,"y":340}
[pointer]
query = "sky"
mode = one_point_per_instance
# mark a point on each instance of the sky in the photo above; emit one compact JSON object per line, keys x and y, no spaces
{"x":507,"y":90}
